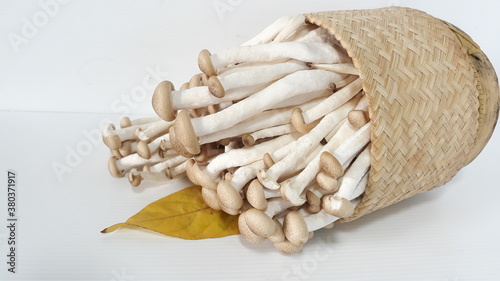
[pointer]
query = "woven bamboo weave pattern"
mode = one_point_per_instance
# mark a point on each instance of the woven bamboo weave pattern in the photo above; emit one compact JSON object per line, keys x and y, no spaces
{"x":422,"y":91}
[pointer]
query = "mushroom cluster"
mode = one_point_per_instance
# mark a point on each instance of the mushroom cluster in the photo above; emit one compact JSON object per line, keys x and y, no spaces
{"x":275,"y":130}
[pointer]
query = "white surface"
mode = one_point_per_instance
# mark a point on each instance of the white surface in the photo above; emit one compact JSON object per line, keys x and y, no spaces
{"x":78,"y":69}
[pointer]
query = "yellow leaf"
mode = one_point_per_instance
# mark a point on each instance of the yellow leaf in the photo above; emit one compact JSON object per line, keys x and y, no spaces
{"x":183,"y":214}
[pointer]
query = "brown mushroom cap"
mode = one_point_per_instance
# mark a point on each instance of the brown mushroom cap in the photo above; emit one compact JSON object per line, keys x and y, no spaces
{"x":255,"y":195}
{"x":260,"y":223}
{"x":197,"y":176}
{"x":343,"y":210}
{"x":135,"y":180}
{"x":313,"y":204}
{"x":278,"y":236}
{"x":205,"y":63}
{"x":215,"y":87}
{"x":125,"y":122}
{"x":143,"y":150}
{"x":111,"y":140}
{"x":287,"y":247}
{"x":113,"y":168}
{"x":228,"y":196}
{"x":246,"y":232}
{"x":184,"y":135}
{"x":195,"y":81}
{"x":184,"y":86}
{"x":162,"y":101}
{"x":328,"y":226}
{"x":295,"y":228}
{"x":331,"y":165}
{"x":247,"y":140}
{"x":299,"y":124}
{"x":327,"y":182}
{"x":126,"y":148}
{"x":116,"y":153}
{"x":210,"y":198}
{"x":268,"y":161}
{"x":357,"y":118}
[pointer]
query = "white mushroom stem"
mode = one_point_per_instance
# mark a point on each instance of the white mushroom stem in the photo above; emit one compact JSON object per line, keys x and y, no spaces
{"x":314,"y":35}
{"x":293,"y":190}
{"x":260,"y":121}
{"x":136,"y":177}
{"x":127,"y":122}
{"x":304,"y":145}
{"x":244,"y":156}
{"x":254,"y":76}
{"x":354,"y":174}
{"x":349,"y":148}
{"x":322,"y":219}
{"x":334,"y":101}
{"x":336,"y":129}
{"x":346,"y":68}
{"x":270,"y":179}
{"x":246,"y":173}
{"x":301,"y":99}
{"x":169,"y":163}
{"x":155,"y":129}
{"x":302,"y":32}
{"x":269,"y":33}
{"x":292,"y":85}
{"x":275,"y":206}
{"x":145,"y":149}
{"x":249,"y":139}
{"x":338,"y":204}
{"x":295,"y":23}
{"x":304,"y":51}
{"x":180,"y":169}
{"x":118,"y":166}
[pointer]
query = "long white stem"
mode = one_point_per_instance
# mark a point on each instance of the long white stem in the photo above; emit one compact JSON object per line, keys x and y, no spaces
{"x":303,"y":51}
{"x":295,"y":23}
{"x":332,"y":102}
{"x":269,"y":33}
{"x":292,"y":85}
{"x":244,"y":156}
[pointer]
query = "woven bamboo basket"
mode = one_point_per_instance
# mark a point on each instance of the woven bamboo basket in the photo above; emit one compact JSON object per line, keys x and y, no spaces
{"x":433,"y":98}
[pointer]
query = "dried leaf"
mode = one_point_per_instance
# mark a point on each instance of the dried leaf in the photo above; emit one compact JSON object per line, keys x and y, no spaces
{"x":183,"y":214}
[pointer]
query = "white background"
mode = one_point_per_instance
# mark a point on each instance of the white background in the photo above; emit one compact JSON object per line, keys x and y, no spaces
{"x":68,"y":68}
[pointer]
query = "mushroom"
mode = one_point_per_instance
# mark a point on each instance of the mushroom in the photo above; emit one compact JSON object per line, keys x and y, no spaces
{"x":229,"y":197}
{"x":135,"y":177}
{"x":295,"y":228}
{"x":210,"y":198}
{"x":244,"y":156}
{"x":295,"y":23}
{"x":314,"y":52}
{"x":269,"y":33}
{"x":245,"y":231}
{"x":257,"y":195}
{"x":155,"y":129}
{"x":346,"y":68}
{"x":125,"y":121}
{"x":339,"y":204}
{"x":197,"y":176}
{"x":251,"y":76}
{"x":332,"y":102}
{"x":304,"y":145}
{"x":188,"y":129}
{"x":117,"y":167}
